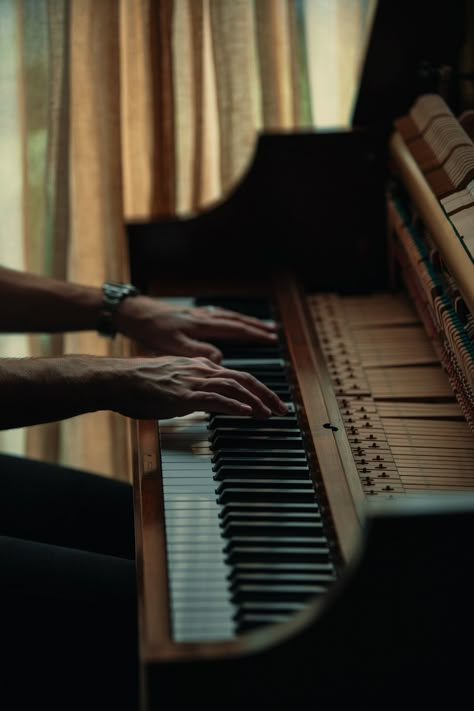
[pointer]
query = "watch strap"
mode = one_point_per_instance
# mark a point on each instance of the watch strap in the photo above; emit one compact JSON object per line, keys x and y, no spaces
{"x":113,"y":293}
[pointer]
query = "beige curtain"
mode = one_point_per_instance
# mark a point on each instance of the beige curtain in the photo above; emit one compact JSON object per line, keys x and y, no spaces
{"x":221,"y":72}
{"x":123,"y":109}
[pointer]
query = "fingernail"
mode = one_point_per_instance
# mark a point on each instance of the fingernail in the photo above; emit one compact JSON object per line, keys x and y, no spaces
{"x":283,"y":408}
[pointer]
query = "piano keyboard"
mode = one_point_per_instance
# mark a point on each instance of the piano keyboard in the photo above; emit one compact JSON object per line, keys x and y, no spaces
{"x":246,"y":541}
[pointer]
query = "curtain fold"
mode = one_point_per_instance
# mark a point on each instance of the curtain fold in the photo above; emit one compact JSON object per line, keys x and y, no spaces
{"x":124,"y":110}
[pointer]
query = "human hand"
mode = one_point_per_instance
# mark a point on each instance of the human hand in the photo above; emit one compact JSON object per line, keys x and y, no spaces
{"x":158,"y":388}
{"x":169,"y":329}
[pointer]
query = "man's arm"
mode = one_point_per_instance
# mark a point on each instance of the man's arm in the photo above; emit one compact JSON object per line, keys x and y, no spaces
{"x":31,"y":303}
{"x":38,"y":390}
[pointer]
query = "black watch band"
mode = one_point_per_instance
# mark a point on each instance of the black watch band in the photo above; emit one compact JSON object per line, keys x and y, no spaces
{"x":113,"y":294}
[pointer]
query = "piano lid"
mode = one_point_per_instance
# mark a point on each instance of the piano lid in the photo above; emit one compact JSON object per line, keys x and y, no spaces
{"x":409,"y":43}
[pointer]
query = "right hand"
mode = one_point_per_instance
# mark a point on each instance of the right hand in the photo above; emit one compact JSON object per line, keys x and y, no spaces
{"x":159,"y":388}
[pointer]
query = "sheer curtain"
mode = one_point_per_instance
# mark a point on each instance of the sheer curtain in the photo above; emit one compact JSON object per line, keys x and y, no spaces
{"x":119,"y":109}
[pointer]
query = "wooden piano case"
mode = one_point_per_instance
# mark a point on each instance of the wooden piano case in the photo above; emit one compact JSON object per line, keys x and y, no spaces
{"x":393,"y":628}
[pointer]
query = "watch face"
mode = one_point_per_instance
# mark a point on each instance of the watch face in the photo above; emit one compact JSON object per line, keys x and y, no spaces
{"x":114,"y":293}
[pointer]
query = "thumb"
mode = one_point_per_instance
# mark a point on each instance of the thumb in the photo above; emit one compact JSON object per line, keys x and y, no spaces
{"x":200,"y":349}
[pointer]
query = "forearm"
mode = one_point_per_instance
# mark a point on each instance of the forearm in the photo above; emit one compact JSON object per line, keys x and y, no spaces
{"x":31,"y":303}
{"x":38,"y":390}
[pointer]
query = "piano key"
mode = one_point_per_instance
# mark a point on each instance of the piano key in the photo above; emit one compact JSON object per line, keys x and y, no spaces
{"x":275,"y":421}
{"x":269,"y":507}
{"x":249,"y":434}
{"x":274,"y":528}
{"x":259,"y":461}
{"x":249,"y":452}
{"x":239,"y":542}
{"x":232,"y":516}
{"x":302,"y":484}
{"x":269,"y":579}
{"x":255,"y":365}
{"x":281,"y":554}
{"x":268,"y":607}
{"x":248,"y":494}
{"x":281,"y":592}
{"x":222,"y":442}
{"x":254,"y":471}
{"x":283,"y":567}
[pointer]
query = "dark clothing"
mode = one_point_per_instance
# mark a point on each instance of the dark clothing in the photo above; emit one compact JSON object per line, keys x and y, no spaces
{"x":68,"y":628}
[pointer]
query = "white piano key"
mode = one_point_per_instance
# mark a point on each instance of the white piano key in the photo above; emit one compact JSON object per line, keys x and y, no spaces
{"x":197,"y":572}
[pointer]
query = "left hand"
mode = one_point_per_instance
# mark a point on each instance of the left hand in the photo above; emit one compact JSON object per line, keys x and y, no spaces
{"x":167,"y":329}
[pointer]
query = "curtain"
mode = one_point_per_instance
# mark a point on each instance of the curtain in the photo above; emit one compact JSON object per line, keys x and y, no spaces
{"x":113,"y":110}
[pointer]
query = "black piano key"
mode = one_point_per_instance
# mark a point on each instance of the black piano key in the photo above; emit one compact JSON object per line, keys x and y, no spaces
{"x":261,"y":472}
{"x":272,"y":516}
{"x":267,"y":554}
{"x":262,"y":494}
{"x":244,"y":351}
{"x":269,"y":507}
{"x":280,"y":484}
{"x":259,"y":461}
{"x":231,"y":529}
{"x":249,"y":433}
{"x":222,"y":442}
{"x":265,"y":366}
{"x":275,"y":421}
{"x":245,"y":567}
{"x":253,"y":452}
{"x":281,"y":554}
{"x":273,"y":542}
{"x":252,"y":621}
{"x":280,"y":577}
{"x":281,"y":592}
{"x":254,"y":426}
{"x":268,"y":608}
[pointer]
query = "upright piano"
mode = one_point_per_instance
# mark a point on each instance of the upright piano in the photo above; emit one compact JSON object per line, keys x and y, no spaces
{"x":323,"y":557}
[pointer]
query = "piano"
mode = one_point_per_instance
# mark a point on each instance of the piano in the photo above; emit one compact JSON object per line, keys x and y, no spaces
{"x":323,"y":557}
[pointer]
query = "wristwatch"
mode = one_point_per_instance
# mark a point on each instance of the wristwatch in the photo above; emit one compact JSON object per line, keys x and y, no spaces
{"x":113,"y":294}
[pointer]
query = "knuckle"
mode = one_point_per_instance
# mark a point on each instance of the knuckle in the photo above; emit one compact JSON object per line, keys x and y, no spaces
{"x":203,"y":360}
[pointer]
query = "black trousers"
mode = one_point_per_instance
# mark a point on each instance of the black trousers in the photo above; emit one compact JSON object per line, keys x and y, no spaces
{"x":68,"y":627}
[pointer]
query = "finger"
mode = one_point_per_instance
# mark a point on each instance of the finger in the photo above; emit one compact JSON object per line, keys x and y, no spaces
{"x":214,"y":402}
{"x":194,"y":349}
{"x":268,"y":398}
{"x":235,"y":330}
{"x":236,"y":391}
{"x":244,"y":318}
